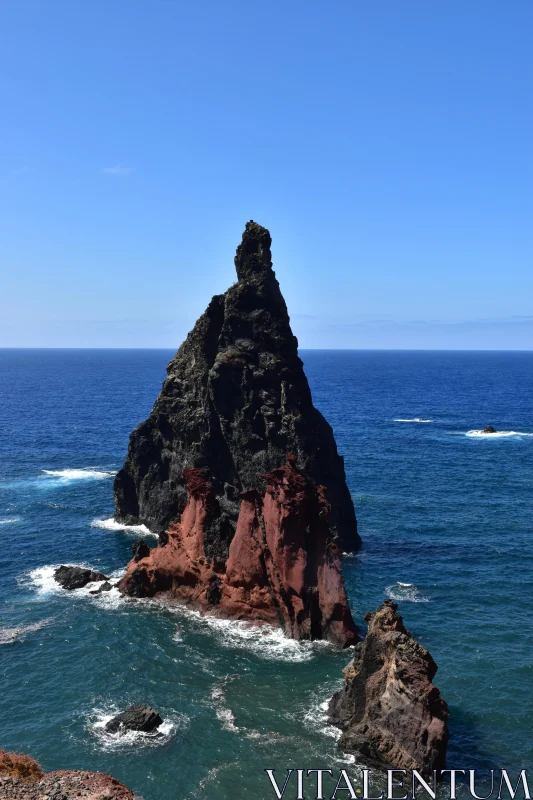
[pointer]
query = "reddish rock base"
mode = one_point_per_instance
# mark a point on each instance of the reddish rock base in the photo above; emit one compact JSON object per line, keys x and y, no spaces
{"x":389,"y":710}
{"x":283,"y":567}
{"x":21,"y":778}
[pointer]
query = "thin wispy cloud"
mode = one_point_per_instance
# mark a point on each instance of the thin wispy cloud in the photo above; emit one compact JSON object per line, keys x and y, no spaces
{"x":118,"y":170}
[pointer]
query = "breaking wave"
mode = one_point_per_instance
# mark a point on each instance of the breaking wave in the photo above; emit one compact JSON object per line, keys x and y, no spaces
{"x":111,"y":524}
{"x":9,"y":520}
{"x":496,"y":435}
{"x":43,"y":582}
{"x":415,"y":419}
{"x":264,"y":640}
{"x":67,"y":475}
{"x":99,"y":717}
{"x":405,"y":592}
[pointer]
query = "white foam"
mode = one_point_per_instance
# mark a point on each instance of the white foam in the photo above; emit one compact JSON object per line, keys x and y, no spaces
{"x":415,"y":419}
{"x":316,"y":719}
{"x":405,"y":592}
{"x":264,"y":640}
{"x":9,"y":635}
{"x":111,"y":524}
{"x":9,"y":520}
{"x":496,"y":435}
{"x":79,"y":474}
{"x":99,"y":718}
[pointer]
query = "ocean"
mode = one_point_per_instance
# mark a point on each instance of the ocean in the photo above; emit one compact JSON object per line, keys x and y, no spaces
{"x":446,"y":521}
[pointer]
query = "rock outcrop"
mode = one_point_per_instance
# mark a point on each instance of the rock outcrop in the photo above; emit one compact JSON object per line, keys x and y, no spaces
{"x":247,"y":531}
{"x":21,"y":778}
{"x":489,"y":429}
{"x":77,"y":577}
{"x":283,"y":566}
{"x":389,"y":711}
{"x":135,"y":718}
{"x":235,"y":402}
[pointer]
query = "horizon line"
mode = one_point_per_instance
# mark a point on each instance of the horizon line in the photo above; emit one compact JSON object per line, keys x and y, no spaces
{"x":303,"y":349}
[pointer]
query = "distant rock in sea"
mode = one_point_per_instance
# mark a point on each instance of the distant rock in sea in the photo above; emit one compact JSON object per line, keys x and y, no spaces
{"x":76,"y":577}
{"x":389,"y":711}
{"x":489,"y":429}
{"x":246,"y":531}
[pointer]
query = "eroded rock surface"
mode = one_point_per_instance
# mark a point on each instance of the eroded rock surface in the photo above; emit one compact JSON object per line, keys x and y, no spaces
{"x":21,"y":778}
{"x":390,"y":712}
{"x":283,"y":566}
{"x":235,"y":402}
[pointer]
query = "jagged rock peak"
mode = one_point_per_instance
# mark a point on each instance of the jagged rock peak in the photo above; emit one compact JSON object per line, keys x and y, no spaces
{"x":390,"y":712}
{"x":235,"y":402}
{"x":253,"y":255}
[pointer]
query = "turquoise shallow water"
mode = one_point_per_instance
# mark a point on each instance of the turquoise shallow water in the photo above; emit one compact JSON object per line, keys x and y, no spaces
{"x":447,"y":513}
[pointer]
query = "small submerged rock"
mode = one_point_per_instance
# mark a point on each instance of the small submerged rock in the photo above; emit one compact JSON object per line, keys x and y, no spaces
{"x":105,"y":587}
{"x":77,"y":577}
{"x":135,"y":718}
{"x":489,"y":429}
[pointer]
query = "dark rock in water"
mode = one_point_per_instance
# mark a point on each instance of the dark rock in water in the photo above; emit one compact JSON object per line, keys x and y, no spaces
{"x":135,"y":718}
{"x":283,"y":566}
{"x":389,"y":711}
{"x":76,"y":577}
{"x":489,"y":429}
{"x":140,"y":550}
{"x":105,"y":587}
{"x":235,"y":402}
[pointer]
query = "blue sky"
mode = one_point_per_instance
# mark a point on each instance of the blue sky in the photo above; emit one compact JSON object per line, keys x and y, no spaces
{"x":386,"y":145}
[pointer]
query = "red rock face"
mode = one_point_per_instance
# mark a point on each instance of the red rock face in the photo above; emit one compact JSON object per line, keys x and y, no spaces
{"x":282,"y":568}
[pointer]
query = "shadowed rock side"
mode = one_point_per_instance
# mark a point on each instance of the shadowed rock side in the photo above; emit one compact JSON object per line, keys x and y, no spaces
{"x":235,"y":402}
{"x":283,"y":566}
{"x":390,"y":713}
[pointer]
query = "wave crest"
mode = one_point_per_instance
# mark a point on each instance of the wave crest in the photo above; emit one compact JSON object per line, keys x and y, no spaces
{"x":87,"y":473}
{"x":111,"y":524}
{"x":496,"y":435}
{"x":415,"y":419}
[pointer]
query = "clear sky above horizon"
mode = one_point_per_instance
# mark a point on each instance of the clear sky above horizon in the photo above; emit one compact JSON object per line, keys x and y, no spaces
{"x":386,"y":145}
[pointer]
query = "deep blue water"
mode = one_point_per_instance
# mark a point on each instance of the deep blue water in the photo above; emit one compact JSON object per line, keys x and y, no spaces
{"x":448,"y":513}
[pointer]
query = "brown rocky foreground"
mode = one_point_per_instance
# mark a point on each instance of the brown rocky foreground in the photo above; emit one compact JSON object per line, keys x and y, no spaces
{"x":21,"y":778}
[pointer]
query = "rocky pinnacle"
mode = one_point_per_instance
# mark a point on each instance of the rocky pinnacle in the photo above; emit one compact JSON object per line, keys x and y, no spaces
{"x":236,"y":401}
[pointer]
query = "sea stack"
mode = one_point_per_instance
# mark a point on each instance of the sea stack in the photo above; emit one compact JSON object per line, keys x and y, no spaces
{"x":239,"y":473}
{"x":391,"y":714}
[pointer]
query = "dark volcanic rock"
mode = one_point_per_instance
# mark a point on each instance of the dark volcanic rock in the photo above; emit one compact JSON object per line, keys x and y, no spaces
{"x":105,"y":587}
{"x":235,"y":402}
{"x":489,"y":429}
{"x":283,"y":565}
{"x":135,"y":718}
{"x":140,"y":550}
{"x":76,"y":577}
{"x":390,"y":713}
